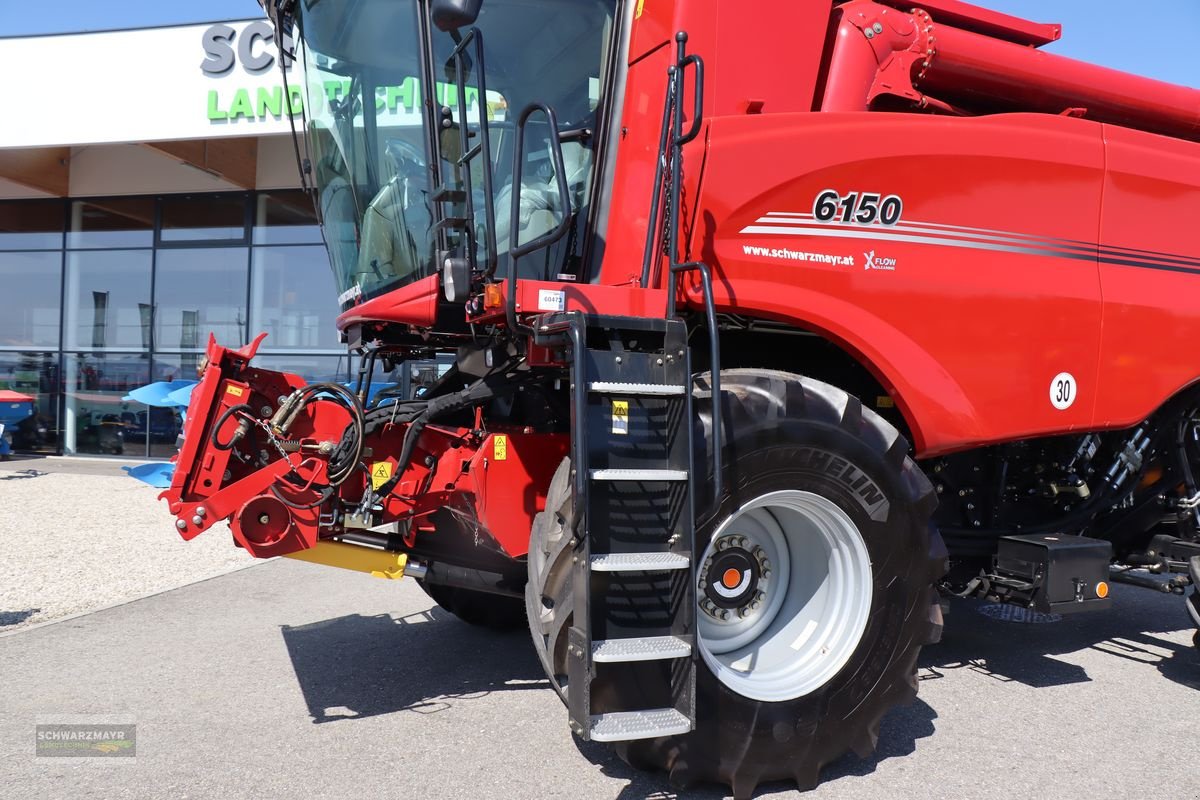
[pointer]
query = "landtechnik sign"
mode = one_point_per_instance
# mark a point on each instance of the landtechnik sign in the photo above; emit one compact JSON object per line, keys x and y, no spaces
{"x":251,"y":49}
{"x":186,"y":82}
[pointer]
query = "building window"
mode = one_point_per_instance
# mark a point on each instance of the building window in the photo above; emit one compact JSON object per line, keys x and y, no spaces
{"x":31,"y":225}
{"x":98,"y":419}
{"x":31,"y":282}
{"x":108,"y":299}
{"x":198,"y":291}
{"x":204,"y":218}
{"x":102,"y":295}
{"x":285,"y":218}
{"x":293,"y":298}
{"x":116,"y":222}
{"x":34,"y":374}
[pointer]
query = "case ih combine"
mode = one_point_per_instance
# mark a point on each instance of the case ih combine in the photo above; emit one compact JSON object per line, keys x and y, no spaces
{"x":762,"y":344}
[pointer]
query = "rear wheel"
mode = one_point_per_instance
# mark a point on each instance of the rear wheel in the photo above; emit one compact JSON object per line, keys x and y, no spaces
{"x":495,"y":611}
{"x":815,"y":584}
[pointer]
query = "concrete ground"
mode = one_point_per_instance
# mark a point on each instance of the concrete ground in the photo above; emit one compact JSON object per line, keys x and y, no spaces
{"x":77,"y":534}
{"x":293,"y":680}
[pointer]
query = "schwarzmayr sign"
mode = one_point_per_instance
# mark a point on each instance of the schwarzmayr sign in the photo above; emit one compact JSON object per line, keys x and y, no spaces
{"x":229,"y":54}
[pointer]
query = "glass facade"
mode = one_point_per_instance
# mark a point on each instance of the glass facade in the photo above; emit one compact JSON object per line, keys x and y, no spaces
{"x":102,"y":295}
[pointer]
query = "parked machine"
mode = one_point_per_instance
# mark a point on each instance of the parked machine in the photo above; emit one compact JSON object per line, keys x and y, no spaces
{"x":14,"y":408}
{"x":763,"y":342}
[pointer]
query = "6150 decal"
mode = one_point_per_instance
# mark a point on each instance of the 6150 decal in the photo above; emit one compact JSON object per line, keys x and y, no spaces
{"x":857,"y":208}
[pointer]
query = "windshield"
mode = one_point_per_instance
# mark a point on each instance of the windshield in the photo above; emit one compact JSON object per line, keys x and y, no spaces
{"x":368,"y":132}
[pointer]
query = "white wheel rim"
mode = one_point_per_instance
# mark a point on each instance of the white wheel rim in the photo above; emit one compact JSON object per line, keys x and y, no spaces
{"x":802,"y":620}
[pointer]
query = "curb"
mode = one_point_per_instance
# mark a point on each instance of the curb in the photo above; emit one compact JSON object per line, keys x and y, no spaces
{"x":35,"y":626}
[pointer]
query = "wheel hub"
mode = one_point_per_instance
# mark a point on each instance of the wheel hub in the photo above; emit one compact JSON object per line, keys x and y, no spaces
{"x":733,"y":579}
{"x":784,"y":592}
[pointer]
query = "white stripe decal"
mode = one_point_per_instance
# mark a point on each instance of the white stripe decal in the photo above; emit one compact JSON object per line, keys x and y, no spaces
{"x":922,"y":228}
{"x":885,"y":234}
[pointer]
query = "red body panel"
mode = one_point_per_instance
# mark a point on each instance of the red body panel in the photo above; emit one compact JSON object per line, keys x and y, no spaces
{"x":1152,"y":304}
{"x":971,"y":327}
{"x":966,"y":330}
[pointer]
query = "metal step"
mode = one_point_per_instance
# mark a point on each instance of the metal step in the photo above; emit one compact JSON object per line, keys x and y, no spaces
{"x":650,"y":389}
{"x":625,"y":725}
{"x":638,"y":562}
{"x":646,"y":648}
{"x":639,"y":475}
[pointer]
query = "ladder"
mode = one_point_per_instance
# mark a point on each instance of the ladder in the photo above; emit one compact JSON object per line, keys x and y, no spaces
{"x":631,"y":647}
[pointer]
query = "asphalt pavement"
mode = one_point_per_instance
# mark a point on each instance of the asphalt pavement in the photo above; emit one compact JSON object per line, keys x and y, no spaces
{"x":292,"y":680}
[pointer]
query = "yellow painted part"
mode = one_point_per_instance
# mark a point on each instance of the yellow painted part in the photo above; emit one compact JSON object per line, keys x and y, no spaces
{"x":379,"y":563}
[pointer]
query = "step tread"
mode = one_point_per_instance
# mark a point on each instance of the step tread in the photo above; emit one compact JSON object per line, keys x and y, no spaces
{"x":653,"y":389}
{"x":644,"y":648}
{"x":639,"y":475}
{"x":638,"y":562}
{"x":626,"y":725}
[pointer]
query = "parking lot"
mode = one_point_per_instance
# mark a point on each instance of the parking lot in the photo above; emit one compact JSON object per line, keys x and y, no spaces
{"x":286,"y":679}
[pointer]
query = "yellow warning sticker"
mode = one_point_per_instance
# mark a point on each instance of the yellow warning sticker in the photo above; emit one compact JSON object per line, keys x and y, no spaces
{"x":500,"y":447}
{"x":236,"y":391}
{"x":637,"y":14}
{"x":620,"y":417}
{"x":381,"y":473}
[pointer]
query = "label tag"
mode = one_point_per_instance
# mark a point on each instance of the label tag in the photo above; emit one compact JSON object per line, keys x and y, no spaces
{"x":620,"y":417}
{"x":381,"y":473}
{"x":235,"y":391}
{"x":500,"y":447}
{"x":550,"y":300}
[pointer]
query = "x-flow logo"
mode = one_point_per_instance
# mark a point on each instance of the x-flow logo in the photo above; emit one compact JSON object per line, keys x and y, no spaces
{"x":888,"y":264}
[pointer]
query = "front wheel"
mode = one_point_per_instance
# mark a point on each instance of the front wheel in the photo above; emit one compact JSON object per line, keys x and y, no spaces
{"x":814,"y":586}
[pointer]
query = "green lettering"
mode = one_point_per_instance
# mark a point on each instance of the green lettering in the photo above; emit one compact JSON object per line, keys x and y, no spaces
{"x":295,"y":101}
{"x":241,"y":105}
{"x":269,"y":101}
{"x":214,"y":112}
{"x":407,"y":94}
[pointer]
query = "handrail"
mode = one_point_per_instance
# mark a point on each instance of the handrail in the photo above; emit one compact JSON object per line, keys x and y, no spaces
{"x":564,"y":203}
{"x":468,"y":152}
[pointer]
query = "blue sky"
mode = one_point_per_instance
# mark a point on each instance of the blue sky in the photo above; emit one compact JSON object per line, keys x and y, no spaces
{"x":1126,"y":39}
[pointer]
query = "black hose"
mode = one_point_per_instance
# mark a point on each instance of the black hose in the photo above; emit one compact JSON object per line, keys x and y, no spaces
{"x":326,"y":493}
{"x":216,"y":442}
{"x":479,"y":392}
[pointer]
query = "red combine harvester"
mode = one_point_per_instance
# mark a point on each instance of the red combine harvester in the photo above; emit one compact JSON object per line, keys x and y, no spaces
{"x":757,"y":354}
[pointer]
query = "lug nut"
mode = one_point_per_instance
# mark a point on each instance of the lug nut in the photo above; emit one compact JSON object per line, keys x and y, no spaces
{"x":756,"y":605}
{"x":766,"y":573}
{"x":181,"y":525}
{"x":201,"y":511}
{"x":197,"y":521}
{"x":743,"y":612}
{"x":724,"y":613}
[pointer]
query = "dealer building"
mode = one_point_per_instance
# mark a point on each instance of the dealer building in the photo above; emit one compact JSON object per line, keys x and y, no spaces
{"x":149,"y":194}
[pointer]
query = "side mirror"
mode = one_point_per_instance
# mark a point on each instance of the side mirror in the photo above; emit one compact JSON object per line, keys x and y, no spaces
{"x":456,"y":279}
{"x":449,"y":15}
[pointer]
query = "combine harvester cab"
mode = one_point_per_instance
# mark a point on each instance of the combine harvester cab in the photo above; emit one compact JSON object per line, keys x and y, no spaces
{"x":753,"y":368}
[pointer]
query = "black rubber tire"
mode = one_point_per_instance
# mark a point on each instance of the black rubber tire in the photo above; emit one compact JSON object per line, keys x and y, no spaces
{"x":486,"y":610}
{"x":775,"y":424}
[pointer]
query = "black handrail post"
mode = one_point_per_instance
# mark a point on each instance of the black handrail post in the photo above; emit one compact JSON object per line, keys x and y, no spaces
{"x":515,"y":252}
{"x":467,"y":153}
